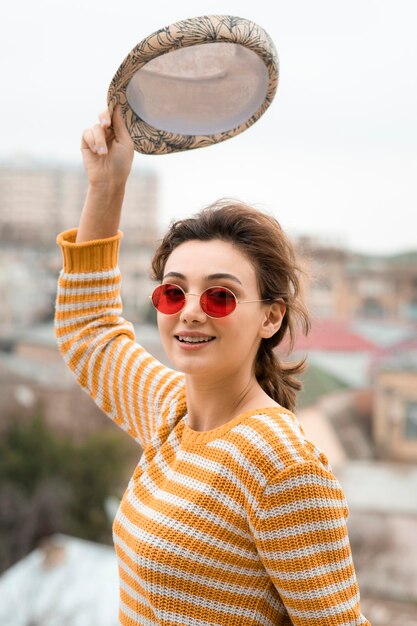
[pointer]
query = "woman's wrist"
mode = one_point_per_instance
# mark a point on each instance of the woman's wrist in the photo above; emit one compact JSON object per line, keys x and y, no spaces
{"x":100,"y":217}
{"x":113,"y":187}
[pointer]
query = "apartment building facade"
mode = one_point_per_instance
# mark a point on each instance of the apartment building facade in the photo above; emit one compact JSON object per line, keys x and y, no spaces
{"x":39,"y":200}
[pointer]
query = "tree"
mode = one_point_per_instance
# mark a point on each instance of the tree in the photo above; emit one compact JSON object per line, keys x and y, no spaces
{"x":50,"y":484}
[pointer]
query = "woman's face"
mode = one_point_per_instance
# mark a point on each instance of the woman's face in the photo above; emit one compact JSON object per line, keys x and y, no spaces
{"x":234,"y":339}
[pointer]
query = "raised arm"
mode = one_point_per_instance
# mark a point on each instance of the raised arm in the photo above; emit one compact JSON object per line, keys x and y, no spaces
{"x":107,"y":153}
{"x":98,"y":345}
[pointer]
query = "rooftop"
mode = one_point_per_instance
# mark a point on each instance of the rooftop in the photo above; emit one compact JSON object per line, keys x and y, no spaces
{"x":330,"y":334}
{"x":66,"y":581}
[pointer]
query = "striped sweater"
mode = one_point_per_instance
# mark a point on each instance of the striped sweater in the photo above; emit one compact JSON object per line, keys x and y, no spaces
{"x":241,"y":525}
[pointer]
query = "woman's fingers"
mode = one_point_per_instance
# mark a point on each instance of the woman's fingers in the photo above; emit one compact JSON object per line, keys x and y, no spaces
{"x":88,"y":141}
{"x":104,"y":118}
{"x":100,"y":139}
{"x":111,"y":127}
{"x":119,"y":125}
{"x":95,"y":139}
{"x":117,"y":120}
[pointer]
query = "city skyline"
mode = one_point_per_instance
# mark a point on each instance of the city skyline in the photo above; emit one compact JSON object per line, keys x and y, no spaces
{"x":333,"y":156}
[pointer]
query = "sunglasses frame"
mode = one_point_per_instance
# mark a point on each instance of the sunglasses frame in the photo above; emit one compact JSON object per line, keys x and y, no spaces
{"x":200,"y":296}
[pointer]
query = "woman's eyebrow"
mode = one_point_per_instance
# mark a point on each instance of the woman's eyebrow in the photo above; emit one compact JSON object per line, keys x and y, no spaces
{"x":217,"y":276}
{"x":222,"y":275}
{"x":174,"y":275}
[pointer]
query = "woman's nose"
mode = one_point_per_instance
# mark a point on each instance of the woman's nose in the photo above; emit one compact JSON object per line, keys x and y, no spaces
{"x":192,"y":310}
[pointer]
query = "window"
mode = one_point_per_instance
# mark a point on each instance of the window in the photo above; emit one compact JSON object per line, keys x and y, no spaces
{"x":410,"y":310}
{"x":411,"y":420}
{"x":370,"y":307}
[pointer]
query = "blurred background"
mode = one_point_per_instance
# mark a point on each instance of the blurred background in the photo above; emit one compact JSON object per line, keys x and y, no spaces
{"x":333,"y":159}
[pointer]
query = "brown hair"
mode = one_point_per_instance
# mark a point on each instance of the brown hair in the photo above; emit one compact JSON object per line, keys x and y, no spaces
{"x":262,"y":240}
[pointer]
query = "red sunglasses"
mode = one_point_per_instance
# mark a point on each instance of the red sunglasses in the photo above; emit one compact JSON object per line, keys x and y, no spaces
{"x":169,"y":299}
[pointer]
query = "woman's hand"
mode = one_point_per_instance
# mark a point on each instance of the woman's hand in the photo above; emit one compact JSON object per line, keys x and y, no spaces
{"x":107,"y":151}
{"x":107,"y":155}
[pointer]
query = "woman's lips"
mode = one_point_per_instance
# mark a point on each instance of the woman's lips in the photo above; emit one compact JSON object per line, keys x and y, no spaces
{"x":188,"y":345}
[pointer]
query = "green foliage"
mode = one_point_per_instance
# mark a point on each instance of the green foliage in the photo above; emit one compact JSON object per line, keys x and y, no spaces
{"x":96,"y":469}
{"x":51,"y":484}
{"x":30,"y":453}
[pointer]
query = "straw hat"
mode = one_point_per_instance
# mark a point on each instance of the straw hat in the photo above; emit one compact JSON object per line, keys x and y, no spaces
{"x":178,"y":94}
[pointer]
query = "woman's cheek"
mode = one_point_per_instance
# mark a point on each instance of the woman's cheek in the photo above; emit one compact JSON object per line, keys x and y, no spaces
{"x":165,"y":335}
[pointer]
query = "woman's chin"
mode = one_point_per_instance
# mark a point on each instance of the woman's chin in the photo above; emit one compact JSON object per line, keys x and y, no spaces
{"x":192,"y":363}
{"x":192,"y":369}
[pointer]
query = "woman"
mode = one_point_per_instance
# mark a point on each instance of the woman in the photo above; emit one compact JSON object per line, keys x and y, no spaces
{"x":232,"y":516}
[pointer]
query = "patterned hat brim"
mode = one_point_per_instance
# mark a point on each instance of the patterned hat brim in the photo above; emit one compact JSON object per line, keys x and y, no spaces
{"x":190,"y":32}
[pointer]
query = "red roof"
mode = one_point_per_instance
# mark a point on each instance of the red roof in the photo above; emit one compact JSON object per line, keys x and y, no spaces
{"x":332,"y":335}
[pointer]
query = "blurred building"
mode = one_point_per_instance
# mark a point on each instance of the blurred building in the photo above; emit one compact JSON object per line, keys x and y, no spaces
{"x":368,"y":369}
{"x":40,"y":200}
{"x":395,"y":415}
{"x":34,"y":379}
{"x":347,"y":285}
{"x":26,"y":286}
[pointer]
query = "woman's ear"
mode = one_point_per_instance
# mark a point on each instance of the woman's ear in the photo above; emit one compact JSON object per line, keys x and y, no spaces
{"x":274,"y":315}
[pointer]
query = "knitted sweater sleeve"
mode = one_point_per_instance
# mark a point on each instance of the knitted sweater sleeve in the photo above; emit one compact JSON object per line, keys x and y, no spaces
{"x":99,"y":345}
{"x":301,"y":536}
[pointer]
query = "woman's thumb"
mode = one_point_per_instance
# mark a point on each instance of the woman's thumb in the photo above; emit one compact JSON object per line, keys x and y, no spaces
{"x":119,"y":126}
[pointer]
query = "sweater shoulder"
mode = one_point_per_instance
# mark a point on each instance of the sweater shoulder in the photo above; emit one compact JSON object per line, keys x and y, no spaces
{"x":278,"y":441}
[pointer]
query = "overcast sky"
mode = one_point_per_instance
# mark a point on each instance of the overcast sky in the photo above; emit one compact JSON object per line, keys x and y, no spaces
{"x":334,"y":155}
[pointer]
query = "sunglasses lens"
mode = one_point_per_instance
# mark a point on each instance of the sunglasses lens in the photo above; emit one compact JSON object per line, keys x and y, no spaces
{"x":218,"y":302}
{"x":168,"y":299}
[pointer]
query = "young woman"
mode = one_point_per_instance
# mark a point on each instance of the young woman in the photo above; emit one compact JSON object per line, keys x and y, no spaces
{"x":232,"y":516}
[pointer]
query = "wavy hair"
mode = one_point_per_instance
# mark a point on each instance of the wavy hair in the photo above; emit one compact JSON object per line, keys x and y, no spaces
{"x":260,"y":237}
